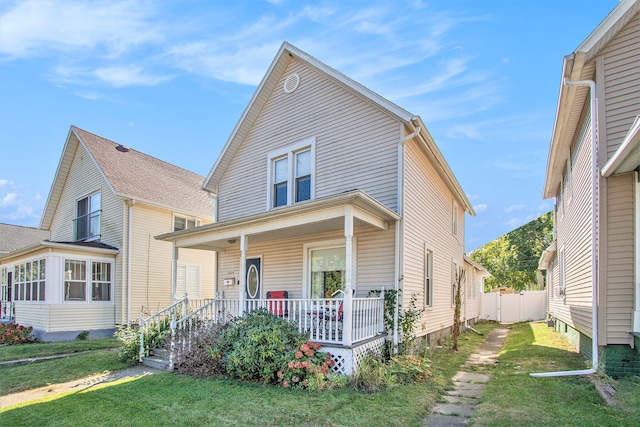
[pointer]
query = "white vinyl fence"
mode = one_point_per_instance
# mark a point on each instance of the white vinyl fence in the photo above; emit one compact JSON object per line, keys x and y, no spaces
{"x":512,"y":308}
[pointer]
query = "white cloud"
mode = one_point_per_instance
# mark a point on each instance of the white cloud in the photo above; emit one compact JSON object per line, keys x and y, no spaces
{"x":5,"y":182}
{"x":9,"y":199}
{"x":482,"y":207}
{"x":128,"y":76}
{"x":37,"y":28}
{"x":514,"y":208}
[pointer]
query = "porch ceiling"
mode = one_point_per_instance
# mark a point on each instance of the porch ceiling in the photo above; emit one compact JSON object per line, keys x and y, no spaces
{"x":316,"y":216}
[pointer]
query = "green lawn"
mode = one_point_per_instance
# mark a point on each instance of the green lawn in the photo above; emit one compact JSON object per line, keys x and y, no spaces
{"x":562,"y":401}
{"x":14,"y":352}
{"x":172,"y":399}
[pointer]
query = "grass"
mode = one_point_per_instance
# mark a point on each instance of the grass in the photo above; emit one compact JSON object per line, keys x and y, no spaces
{"x":33,"y":375}
{"x":513,"y":395}
{"x":15,"y":352}
{"x":170,"y":399}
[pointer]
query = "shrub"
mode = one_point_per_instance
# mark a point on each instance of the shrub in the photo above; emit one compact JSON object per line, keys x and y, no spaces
{"x":83,"y":336}
{"x":256,"y":346}
{"x":372,"y":375}
{"x":409,"y":369}
{"x":130,"y":344}
{"x":197,"y":359}
{"x":12,"y":333}
{"x":306,"y":368}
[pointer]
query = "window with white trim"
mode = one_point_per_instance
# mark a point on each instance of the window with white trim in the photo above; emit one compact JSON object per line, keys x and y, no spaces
{"x":291,"y":174}
{"x":328,"y":268}
{"x":187,"y":281}
{"x":184,"y":223}
{"x":98,"y":285}
{"x":87,"y":220}
{"x":428,"y":278}
{"x":4,"y":284}
{"x":561,"y":272}
{"x":29,"y":281}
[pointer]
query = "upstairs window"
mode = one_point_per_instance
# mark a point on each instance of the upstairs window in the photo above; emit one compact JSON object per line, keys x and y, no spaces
{"x":87,"y":221}
{"x":291,"y":172}
{"x":183,"y":223}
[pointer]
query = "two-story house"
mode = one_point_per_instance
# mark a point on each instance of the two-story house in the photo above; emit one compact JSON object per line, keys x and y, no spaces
{"x":326,"y":189}
{"x":593,"y":266}
{"x":99,"y":265}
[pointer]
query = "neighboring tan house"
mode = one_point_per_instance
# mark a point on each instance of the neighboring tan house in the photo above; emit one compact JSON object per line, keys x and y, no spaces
{"x":97,"y":263}
{"x":592,"y":173}
{"x":326,"y":188}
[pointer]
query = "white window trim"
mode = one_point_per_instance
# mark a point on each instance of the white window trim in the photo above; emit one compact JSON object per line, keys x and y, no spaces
{"x":454,"y":219}
{"x":428,"y":250}
{"x":289,"y":152}
{"x":197,"y":221}
{"x":562,"y":278}
{"x":325,"y":244}
{"x":75,"y":214}
{"x":88,"y":280}
{"x":15,"y":282}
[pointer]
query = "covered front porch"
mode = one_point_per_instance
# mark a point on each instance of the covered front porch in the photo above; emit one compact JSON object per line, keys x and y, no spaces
{"x":322,"y":264}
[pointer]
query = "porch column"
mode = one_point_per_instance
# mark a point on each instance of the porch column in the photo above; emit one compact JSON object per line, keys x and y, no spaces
{"x":174,"y":273}
{"x":348,"y":293}
{"x":243,"y":273}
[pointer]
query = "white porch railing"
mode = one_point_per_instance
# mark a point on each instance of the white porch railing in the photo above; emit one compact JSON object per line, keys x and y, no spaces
{"x":323,"y":319}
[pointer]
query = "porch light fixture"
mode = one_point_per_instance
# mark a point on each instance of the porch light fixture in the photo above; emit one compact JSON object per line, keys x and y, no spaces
{"x":231,"y":241}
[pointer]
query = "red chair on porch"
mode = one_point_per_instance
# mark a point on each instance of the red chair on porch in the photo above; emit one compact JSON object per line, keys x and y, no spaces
{"x":278,"y":308}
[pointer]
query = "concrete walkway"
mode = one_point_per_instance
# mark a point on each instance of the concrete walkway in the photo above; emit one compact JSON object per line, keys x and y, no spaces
{"x":469,"y":383}
{"x":73,"y":386}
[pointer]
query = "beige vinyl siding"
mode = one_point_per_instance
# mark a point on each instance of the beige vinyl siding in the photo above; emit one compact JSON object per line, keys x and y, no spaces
{"x":621,"y":65}
{"x":151,"y":262}
{"x":83,"y":179}
{"x":282,"y":262}
{"x":573,"y":228}
{"x":66,"y":317}
{"x":427,"y":212}
{"x":473,"y":293}
{"x":355,"y":144}
{"x":620,"y":259}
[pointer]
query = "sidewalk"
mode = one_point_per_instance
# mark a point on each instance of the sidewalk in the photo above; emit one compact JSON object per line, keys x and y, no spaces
{"x":469,"y":383}
{"x":73,"y":386}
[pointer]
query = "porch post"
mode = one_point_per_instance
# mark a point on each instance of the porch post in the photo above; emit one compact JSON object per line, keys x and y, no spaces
{"x":243,"y":275}
{"x":174,"y":272}
{"x":347,"y":319}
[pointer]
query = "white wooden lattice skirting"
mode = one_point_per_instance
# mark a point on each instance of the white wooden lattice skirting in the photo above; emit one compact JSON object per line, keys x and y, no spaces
{"x":347,"y":359}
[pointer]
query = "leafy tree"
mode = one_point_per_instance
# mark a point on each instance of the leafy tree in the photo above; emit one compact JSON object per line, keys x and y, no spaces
{"x":512,"y":259}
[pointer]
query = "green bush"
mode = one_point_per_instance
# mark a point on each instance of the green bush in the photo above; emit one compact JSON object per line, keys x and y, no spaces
{"x":257,"y":345}
{"x":129,"y":336}
{"x":12,"y":333}
{"x":372,"y":375}
{"x":83,"y":336}
{"x":408,"y":369}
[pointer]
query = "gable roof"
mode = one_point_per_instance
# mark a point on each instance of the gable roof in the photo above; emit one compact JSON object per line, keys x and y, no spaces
{"x":580,"y":66}
{"x":131,"y":174}
{"x":265,"y":88}
{"x":14,"y":237}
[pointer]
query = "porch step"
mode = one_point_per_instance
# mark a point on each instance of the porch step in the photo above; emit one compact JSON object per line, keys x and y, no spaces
{"x":158,"y":362}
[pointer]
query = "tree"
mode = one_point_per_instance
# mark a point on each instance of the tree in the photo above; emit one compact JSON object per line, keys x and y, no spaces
{"x":455,"y":329}
{"x":512,"y":259}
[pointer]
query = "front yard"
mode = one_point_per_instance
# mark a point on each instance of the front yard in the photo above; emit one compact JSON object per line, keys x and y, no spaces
{"x":173,"y":399}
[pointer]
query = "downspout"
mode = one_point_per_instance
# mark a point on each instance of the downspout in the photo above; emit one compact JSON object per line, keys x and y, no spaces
{"x":594,"y":235}
{"x":399,"y":228}
{"x":129,"y":236}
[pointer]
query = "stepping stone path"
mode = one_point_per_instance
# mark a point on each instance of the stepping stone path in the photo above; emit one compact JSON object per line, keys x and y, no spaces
{"x":469,"y":383}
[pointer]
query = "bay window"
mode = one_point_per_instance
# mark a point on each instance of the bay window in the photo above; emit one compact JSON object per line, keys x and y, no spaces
{"x":29,"y":281}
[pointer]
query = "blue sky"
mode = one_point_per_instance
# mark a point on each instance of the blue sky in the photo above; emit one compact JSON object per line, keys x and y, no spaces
{"x":171,"y":79}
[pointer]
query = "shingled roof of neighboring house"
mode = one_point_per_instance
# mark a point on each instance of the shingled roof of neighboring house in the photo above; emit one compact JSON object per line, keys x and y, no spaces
{"x":133,"y":175}
{"x":14,"y":237}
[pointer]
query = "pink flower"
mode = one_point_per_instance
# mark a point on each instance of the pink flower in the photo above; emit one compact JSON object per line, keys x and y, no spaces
{"x":280,"y":374}
{"x":298,"y":355}
{"x":291,"y":364}
{"x":304,"y":347}
{"x":298,"y":365}
{"x":285,"y":384}
{"x":309,"y":352}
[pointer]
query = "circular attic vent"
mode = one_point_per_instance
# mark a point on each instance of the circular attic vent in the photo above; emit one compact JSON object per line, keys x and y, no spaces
{"x":291,"y":83}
